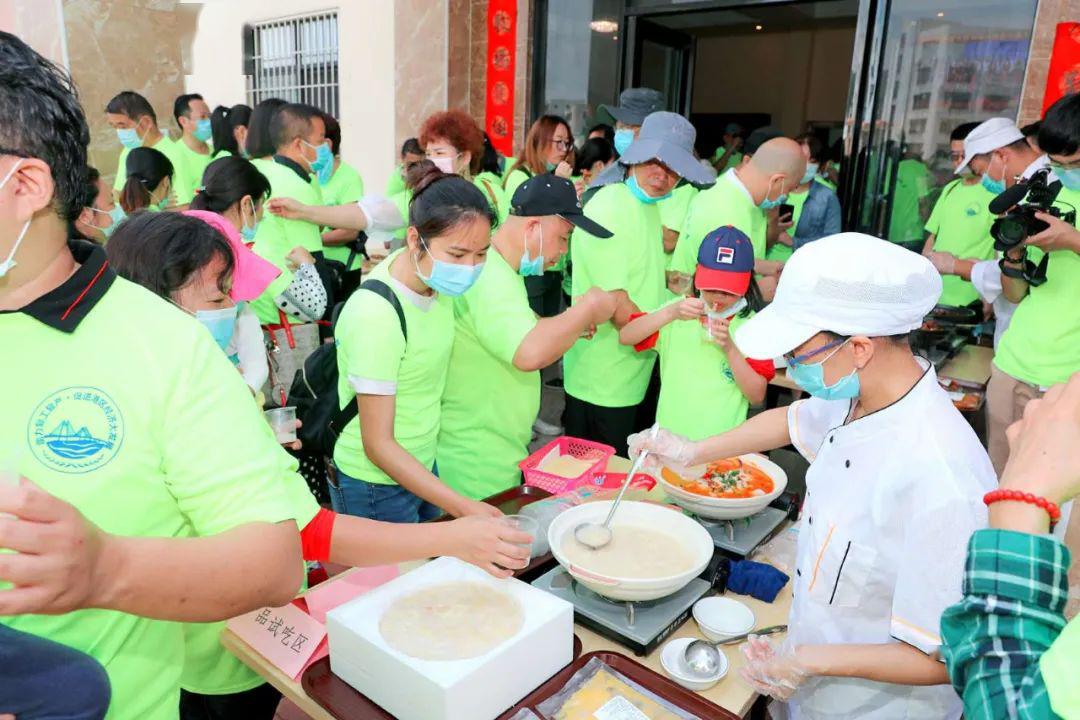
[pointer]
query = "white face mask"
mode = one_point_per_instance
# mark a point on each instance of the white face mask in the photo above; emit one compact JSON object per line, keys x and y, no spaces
{"x":446,"y":164}
{"x":9,"y":263}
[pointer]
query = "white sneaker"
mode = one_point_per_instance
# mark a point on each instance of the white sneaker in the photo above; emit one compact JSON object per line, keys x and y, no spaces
{"x":546,"y":428}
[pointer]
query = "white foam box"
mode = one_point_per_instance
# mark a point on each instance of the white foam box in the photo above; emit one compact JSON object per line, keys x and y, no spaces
{"x":479,"y":688}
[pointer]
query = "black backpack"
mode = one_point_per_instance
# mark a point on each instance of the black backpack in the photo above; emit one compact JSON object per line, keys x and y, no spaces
{"x":314,"y":390}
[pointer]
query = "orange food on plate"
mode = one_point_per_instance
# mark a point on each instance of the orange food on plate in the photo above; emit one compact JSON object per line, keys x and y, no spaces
{"x":729,"y":479}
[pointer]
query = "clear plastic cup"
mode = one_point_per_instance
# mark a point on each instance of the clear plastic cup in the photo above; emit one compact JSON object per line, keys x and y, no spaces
{"x":707,"y":320}
{"x":283,"y":421}
{"x":528,"y":525}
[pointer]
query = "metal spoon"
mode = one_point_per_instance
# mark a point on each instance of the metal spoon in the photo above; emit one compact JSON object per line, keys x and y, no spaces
{"x":702,"y":658}
{"x":594,"y":535}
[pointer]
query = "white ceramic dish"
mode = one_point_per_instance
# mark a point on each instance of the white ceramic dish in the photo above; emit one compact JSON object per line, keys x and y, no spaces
{"x":671,"y":659}
{"x":689,"y":533}
{"x":722,"y":618}
{"x":719,"y":508}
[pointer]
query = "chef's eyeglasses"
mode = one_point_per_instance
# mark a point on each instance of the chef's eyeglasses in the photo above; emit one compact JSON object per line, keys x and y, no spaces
{"x":793,"y":360}
{"x":562,"y":144}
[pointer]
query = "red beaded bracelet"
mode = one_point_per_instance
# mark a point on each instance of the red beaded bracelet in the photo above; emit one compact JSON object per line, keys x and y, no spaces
{"x":1051,"y":508}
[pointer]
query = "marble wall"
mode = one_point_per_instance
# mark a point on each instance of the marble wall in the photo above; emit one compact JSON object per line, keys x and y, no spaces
{"x":40,"y":24}
{"x":114,"y":45}
{"x":467,"y":61}
{"x":1047,"y":17}
{"x":421,"y":78}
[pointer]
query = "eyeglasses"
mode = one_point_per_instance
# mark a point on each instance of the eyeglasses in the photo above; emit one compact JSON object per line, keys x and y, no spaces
{"x":793,"y":360}
{"x":956,"y":156}
{"x":562,"y":144}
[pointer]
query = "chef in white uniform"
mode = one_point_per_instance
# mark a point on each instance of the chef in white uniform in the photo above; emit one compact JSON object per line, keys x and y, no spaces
{"x":893,"y":492}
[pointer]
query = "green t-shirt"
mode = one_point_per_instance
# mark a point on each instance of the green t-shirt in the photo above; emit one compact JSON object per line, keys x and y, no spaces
{"x":912,"y":185}
{"x":601,"y":371}
{"x":508,"y":162}
{"x":148,"y":434}
{"x":483,"y":436}
{"x":345,"y":187}
{"x":373,"y":358}
{"x":491,"y":185}
{"x":960,"y":223}
{"x":276,"y":236}
{"x":725,"y":203}
{"x":196,"y":165}
{"x":673,"y":209}
{"x":698,"y":393}
{"x":782,"y":253}
{"x":733,"y":160}
{"x":1042,"y":344}
{"x":395,"y":183}
{"x":402,"y":199}
{"x":513,"y":181}
{"x":171,"y":149}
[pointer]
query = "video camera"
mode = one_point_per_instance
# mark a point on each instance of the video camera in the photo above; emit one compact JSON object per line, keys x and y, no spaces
{"x":1020,"y":203}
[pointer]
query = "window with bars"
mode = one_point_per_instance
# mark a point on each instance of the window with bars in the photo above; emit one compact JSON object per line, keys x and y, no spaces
{"x":295,"y":59}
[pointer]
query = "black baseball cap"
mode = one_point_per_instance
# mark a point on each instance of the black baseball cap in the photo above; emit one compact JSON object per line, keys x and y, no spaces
{"x":547,"y":194}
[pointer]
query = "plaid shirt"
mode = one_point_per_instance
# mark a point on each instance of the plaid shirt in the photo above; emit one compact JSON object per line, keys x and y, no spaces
{"x":1015,"y":589}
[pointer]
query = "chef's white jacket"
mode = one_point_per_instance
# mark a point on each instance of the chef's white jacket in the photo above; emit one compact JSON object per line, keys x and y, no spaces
{"x":891,"y":500}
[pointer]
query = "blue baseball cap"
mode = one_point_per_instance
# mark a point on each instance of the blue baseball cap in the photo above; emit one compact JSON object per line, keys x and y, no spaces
{"x":725,"y":261}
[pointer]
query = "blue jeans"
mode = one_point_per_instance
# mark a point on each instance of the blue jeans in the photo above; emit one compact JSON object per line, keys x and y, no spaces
{"x":44,"y":680}
{"x":389,"y":503}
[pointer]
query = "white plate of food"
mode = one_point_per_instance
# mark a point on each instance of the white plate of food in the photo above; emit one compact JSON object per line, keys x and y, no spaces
{"x":726,"y":489}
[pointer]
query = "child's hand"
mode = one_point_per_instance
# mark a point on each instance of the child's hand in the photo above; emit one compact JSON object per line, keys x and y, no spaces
{"x":690,"y":309}
{"x":721,"y":333}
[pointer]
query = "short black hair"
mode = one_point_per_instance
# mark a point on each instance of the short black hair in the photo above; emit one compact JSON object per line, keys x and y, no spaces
{"x":411,"y":147}
{"x":292,"y":121}
{"x":333,"y":132}
{"x":163,"y":251}
{"x":1060,"y":131}
{"x":182,"y":105}
{"x":131,"y":104}
{"x":594,"y":150}
{"x":1032,"y":129}
{"x":962,"y":131}
{"x":41,"y":118}
{"x":90,"y":193}
{"x":813,"y":142}
{"x":226,"y":181}
{"x":489,"y":161}
{"x":258,"y":143}
{"x":609,"y":132}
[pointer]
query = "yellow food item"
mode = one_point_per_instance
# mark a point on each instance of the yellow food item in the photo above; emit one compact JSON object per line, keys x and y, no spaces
{"x":566,"y":466}
{"x":604,"y":688}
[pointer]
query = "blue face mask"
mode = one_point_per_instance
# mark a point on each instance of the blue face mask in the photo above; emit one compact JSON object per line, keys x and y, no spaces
{"x":993,"y":186}
{"x":639,"y":192}
{"x":203,"y":131}
{"x":550,"y":166}
{"x":810,"y":174}
{"x":220,"y":323}
{"x":248,"y":231}
{"x":446,"y":278}
{"x":811,"y":378}
{"x":116,"y":216}
{"x":768,"y":204}
{"x":129,"y":138}
{"x":532,"y":266}
{"x":1069,"y":177}
{"x":623,"y":138}
{"x":323,"y":165}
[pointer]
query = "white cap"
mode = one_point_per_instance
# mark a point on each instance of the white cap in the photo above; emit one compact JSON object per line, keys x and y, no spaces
{"x":849,"y":284}
{"x":989,"y":136}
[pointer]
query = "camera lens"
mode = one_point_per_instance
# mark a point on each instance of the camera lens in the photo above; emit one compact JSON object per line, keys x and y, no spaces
{"x":1009,"y":231}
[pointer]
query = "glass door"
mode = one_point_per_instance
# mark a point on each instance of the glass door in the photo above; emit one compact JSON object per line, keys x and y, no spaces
{"x":663,"y":59}
{"x":926,"y":66}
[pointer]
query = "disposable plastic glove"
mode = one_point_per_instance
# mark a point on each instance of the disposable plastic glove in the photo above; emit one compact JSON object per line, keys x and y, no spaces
{"x":944,"y":262}
{"x":665,"y":449}
{"x":772,"y":669}
{"x":381,"y":213}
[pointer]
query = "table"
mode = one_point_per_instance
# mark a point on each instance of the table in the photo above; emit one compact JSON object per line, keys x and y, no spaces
{"x":971,"y":365}
{"x":731,"y":693}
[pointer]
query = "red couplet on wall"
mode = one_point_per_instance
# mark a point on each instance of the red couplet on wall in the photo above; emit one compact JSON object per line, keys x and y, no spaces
{"x":499,"y":109}
{"x":1063,"y":76}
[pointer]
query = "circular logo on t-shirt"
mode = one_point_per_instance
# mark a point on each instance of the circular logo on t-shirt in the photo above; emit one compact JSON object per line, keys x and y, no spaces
{"x":972,"y":209}
{"x":76,"y":430}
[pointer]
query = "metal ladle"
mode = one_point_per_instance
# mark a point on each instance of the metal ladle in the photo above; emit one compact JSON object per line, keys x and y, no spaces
{"x":702,"y":658}
{"x":594,"y":535}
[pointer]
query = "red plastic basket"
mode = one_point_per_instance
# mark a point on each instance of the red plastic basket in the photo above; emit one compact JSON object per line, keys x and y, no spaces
{"x":575,"y":447}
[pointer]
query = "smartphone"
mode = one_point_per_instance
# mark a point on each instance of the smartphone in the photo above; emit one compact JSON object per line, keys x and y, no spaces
{"x":787,"y":212}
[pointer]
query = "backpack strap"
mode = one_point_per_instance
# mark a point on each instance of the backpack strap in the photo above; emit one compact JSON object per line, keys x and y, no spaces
{"x":351,"y":410}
